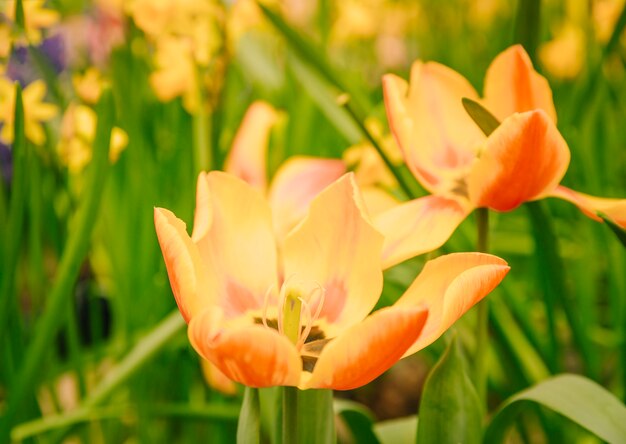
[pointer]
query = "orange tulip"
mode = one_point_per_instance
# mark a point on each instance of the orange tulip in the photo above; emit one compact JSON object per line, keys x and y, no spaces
{"x":524,"y":159}
{"x":304,"y":321}
{"x":290,"y":192}
{"x":294,"y":184}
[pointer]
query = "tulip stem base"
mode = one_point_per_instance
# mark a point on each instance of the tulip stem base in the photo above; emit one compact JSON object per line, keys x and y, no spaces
{"x":482,"y":322}
{"x":290,"y":414}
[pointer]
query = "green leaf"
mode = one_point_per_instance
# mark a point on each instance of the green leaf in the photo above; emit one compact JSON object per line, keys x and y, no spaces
{"x":13,"y":232}
{"x":67,"y":272}
{"x":397,"y":431}
{"x":575,"y":397}
{"x":140,"y":354}
{"x":358,"y":421}
{"x":450,"y":410}
{"x":325,"y":97}
{"x":616,"y":229}
{"x":483,"y":118}
{"x":312,"y":55}
{"x":20,"y":19}
{"x":249,"y":426}
{"x":527,"y":31}
{"x":316,"y":417}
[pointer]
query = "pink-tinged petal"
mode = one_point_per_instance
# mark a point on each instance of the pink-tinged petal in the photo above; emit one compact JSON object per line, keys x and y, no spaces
{"x":253,"y":355}
{"x":431,"y":126}
{"x":190,"y":284}
{"x":216,"y":379}
{"x":336,"y":247}
{"x":449,"y":286}
{"x":367,"y":349}
{"x":247,"y":157}
{"x":512,"y":85}
{"x":295,"y":184}
{"x":417,"y":227}
{"x":615,"y":209}
{"x":239,"y":247}
{"x":523,"y":159}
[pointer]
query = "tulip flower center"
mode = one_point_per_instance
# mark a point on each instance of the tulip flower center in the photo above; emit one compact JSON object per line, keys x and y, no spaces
{"x":299,"y":307}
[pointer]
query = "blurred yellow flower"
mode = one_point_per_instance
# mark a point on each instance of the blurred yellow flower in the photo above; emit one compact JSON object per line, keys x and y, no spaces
{"x":77,"y":134}
{"x":175,"y":73}
{"x":35,"y":111}
{"x":563,"y":56}
{"x":605,"y":14}
{"x":5,"y":40}
{"x":37,"y":17}
{"x":88,"y":86}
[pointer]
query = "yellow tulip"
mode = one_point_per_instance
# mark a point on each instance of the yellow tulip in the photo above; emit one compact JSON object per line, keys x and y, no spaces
{"x":303,"y":321}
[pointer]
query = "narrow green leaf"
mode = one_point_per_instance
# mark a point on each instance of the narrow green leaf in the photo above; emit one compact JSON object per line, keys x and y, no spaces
{"x":397,"y":431}
{"x":249,"y":425}
{"x":358,"y":421}
{"x":550,"y":269}
{"x":575,"y":397}
{"x":14,"y":230}
{"x":483,"y":118}
{"x":325,"y":97}
{"x":220,"y":412}
{"x":619,"y":232}
{"x":527,"y":30}
{"x":73,"y":256}
{"x":20,"y":19}
{"x":312,"y":55}
{"x":145,"y":349}
{"x":450,"y":410}
{"x":316,"y":417}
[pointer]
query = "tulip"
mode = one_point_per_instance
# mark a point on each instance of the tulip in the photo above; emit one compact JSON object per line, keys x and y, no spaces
{"x":305,"y":320}
{"x":523,"y":160}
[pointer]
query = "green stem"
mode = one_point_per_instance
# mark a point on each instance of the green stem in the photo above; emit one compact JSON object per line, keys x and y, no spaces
{"x":344,"y":100}
{"x":202,"y":135}
{"x":482,"y":322}
{"x":290,"y":415}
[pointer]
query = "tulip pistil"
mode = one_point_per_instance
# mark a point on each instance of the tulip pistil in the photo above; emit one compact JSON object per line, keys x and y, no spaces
{"x":291,"y":313}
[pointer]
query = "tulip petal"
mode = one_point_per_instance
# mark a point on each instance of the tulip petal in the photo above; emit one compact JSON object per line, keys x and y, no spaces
{"x":449,"y":286}
{"x":615,"y":209}
{"x":190,"y":284}
{"x":251,"y":354}
{"x":523,"y":159}
{"x":512,"y":85}
{"x":430,"y":124}
{"x":417,"y":227}
{"x":295,"y":184}
{"x":367,"y":349}
{"x":239,"y":248}
{"x":203,"y":215}
{"x":216,"y":379}
{"x":247,"y":157}
{"x":336,"y":247}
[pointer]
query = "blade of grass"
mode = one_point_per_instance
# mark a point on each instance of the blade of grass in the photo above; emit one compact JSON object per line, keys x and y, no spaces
{"x":14,"y":231}
{"x":527,"y":30}
{"x":585,"y":93}
{"x":314,"y":57}
{"x":73,"y":255}
{"x":141,"y":353}
{"x":221,"y":412}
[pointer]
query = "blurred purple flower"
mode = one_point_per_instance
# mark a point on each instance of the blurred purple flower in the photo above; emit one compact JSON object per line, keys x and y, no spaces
{"x":24,"y":69}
